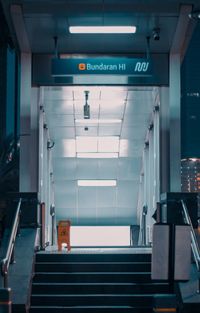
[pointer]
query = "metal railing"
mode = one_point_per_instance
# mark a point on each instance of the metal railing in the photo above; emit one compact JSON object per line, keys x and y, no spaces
{"x":194,"y":243}
{"x":143,"y":226}
{"x":9,"y":258}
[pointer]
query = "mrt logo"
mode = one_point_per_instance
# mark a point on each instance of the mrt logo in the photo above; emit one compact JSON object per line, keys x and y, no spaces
{"x":82,"y":66}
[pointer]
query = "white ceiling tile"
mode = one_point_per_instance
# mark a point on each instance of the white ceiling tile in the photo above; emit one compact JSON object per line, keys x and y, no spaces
{"x":112,"y":93}
{"x":107,"y":169}
{"x":108,"y":144}
{"x":65,"y":169}
{"x":64,"y":94}
{"x":86,"y":144}
{"x":130,"y":148}
{"x":89,"y":131}
{"x":129,"y":168}
{"x":64,"y":148}
{"x":65,"y":187}
{"x":127,"y":191}
{"x":132,"y":132}
{"x":59,"y":106}
{"x":106,"y":198}
{"x":61,"y":120}
{"x":110,"y":108}
{"x":113,"y":130}
{"x":87,"y":199}
{"x":87,"y":169}
{"x":58,"y":133}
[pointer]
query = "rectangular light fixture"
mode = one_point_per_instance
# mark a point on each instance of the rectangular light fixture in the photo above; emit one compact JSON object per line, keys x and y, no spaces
{"x":98,"y":121}
{"x":98,"y":155}
{"x":97,"y":183}
{"x":97,"y":144}
{"x":102,"y":29}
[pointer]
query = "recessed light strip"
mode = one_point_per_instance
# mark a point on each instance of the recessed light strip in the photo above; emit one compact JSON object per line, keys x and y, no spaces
{"x":98,"y":121}
{"x":98,"y":155}
{"x":102,"y":29}
{"x":96,"y":183}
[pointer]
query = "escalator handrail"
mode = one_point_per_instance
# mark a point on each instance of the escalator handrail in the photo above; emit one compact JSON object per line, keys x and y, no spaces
{"x":194,"y":243}
{"x":7,"y":260}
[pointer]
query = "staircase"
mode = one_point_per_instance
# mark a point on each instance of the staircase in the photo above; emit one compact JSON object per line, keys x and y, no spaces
{"x":94,"y":283}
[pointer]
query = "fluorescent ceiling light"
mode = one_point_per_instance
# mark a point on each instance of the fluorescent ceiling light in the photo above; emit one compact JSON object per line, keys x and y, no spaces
{"x":102,"y":29}
{"x":98,"y":121}
{"x":98,"y":155}
{"x":97,"y":144}
{"x":97,"y":183}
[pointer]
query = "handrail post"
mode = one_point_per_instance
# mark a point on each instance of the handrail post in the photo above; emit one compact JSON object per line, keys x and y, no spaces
{"x":42,"y":225}
{"x":194,"y":244}
{"x":198,"y":285}
{"x":52,"y":213}
{"x":10,"y":254}
{"x":5,"y":303}
{"x":18,"y":229}
{"x":6,"y":280}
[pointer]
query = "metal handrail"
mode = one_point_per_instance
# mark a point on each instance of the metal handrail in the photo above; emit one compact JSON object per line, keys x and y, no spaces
{"x":194,"y":243}
{"x":143,"y":226}
{"x":9,"y":258}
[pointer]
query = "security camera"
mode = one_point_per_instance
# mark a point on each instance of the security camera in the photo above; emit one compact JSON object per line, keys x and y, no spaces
{"x":156,"y":33}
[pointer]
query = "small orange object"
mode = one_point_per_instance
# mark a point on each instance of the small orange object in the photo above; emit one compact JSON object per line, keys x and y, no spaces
{"x":64,"y":234}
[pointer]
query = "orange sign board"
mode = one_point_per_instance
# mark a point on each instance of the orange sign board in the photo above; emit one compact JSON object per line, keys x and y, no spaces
{"x":64,"y":234}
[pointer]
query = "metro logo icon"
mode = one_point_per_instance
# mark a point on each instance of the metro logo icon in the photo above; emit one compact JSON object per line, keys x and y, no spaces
{"x":82,"y":66}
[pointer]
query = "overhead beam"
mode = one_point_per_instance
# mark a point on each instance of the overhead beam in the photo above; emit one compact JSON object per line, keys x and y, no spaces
{"x":183,"y":31}
{"x":176,"y":54}
{"x":20,"y":28}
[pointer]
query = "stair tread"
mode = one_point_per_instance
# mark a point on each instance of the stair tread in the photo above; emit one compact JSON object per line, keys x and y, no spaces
{"x":93,"y":273}
{"x":84,"y":306}
{"x":102,"y":295}
{"x":128,"y":262}
{"x":100,"y":283}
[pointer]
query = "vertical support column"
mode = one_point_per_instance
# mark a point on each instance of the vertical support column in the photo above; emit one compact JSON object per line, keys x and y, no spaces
{"x":146,"y":188}
{"x":146,"y":168}
{"x":151,"y":209}
{"x":164,"y":140}
{"x":34,"y":138}
{"x":25,"y":124}
{"x":156,"y":157}
{"x":174,"y":125}
{"x":28,"y":181}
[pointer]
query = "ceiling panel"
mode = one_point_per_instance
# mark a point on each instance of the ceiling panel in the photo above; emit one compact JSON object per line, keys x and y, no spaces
{"x":87,"y":169}
{"x":108,"y":169}
{"x":129,"y":168}
{"x":60,"y":120}
{"x":114,"y":130}
{"x":88,"y":131}
{"x":58,"y":94}
{"x":126,"y":193}
{"x":64,"y":148}
{"x":65,"y":169}
{"x":60,"y":106}
{"x":57,"y":133}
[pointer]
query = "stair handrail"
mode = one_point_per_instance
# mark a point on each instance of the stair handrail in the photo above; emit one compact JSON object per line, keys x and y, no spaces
{"x":194,"y":243}
{"x":9,"y":258}
{"x":142,"y":235}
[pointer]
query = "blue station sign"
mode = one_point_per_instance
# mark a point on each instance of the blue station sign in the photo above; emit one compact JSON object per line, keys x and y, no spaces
{"x":101,"y":66}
